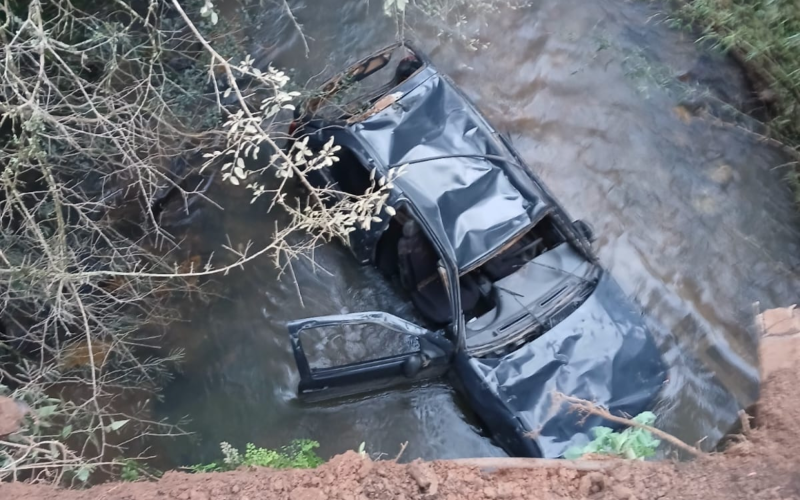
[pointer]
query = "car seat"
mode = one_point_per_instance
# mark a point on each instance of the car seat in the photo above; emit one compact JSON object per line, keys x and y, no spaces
{"x":417,"y":262}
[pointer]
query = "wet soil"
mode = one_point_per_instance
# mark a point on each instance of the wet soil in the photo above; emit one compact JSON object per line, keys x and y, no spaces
{"x":764,"y":463}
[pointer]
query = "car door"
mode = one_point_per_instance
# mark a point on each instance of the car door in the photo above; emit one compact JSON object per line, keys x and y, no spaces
{"x":352,"y":353}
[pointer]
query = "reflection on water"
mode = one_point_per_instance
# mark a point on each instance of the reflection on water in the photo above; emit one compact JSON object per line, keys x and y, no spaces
{"x":692,"y":220}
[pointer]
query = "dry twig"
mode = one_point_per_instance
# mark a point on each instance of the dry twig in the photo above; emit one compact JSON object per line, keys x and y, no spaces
{"x":587,"y":407}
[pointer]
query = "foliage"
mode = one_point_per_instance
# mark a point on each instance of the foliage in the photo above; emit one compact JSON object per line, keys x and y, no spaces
{"x":458,"y":20}
{"x":299,"y":454}
{"x":632,"y":443}
{"x":96,"y":104}
{"x":209,"y":467}
{"x":103,"y":108}
{"x":130,"y":471}
{"x":765,"y":37}
{"x":43,"y":436}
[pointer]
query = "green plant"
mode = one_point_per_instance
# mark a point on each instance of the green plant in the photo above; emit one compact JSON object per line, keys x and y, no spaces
{"x":632,"y":443}
{"x":299,"y":454}
{"x":212,"y":467}
{"x":764,"y":36}
{"x":130,"y":471}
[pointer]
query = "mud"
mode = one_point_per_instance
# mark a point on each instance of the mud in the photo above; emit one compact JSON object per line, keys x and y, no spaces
{"x":762,"y":463}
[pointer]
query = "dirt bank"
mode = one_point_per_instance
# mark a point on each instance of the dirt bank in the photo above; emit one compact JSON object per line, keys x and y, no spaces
{"x":765,"y":465}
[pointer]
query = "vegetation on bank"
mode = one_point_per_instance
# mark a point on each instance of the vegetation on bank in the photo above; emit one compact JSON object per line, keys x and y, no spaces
{"x":764,"y":36}
{"x":299,"y":454}
{"x":106,"y":113}
{"x":114,"y":118}
{"x":104,"y":108}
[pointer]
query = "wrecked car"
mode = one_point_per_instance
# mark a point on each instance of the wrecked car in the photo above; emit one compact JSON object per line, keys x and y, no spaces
{"x":513,"y":304}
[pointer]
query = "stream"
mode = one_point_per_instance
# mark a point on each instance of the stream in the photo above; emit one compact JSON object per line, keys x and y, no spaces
{"x":604,"y":101}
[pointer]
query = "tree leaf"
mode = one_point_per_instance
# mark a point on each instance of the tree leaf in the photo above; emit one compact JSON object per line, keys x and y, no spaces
{"x":82,"y":474}
{"x":116,"y":425}
{"x":46,"y":411}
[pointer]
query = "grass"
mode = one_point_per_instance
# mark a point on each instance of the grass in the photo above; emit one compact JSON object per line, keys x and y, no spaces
{"x":764,"y":35}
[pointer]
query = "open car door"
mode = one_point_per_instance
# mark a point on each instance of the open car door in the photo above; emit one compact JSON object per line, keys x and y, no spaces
{"x":346,"y":354}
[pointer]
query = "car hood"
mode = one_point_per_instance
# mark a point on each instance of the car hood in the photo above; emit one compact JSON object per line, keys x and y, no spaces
{"x":602,"y":352}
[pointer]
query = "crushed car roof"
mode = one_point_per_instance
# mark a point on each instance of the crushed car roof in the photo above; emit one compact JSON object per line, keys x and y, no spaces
{"x":460,"y":176}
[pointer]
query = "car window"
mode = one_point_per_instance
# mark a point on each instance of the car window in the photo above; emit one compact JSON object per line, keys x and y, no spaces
{"x":477,"y":286}
{"x":350,"y":174}
{"x":342,"y":345}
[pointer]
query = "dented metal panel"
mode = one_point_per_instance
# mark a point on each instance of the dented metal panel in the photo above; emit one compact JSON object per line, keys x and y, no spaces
{"x":602,"y":352}
{"x":458,"y":172}
{"x":470,"y":189}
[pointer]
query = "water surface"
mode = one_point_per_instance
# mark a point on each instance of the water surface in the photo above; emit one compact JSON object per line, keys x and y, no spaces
{"x":606,"y":105}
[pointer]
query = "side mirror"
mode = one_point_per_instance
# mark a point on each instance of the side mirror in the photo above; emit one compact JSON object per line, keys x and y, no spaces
{"x":584,"y":229}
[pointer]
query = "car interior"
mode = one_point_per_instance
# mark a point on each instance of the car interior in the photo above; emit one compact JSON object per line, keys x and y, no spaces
{"x":352,"y":93}
{"x":405,"y":251}
{"x":537,"y":240}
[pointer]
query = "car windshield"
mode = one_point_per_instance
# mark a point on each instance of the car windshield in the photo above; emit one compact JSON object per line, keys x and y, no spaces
{"x":506,"y":260}
{"x":510,"y":298}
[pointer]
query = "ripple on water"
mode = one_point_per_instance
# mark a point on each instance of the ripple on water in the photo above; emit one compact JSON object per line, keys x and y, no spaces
{"x":692,"y":220}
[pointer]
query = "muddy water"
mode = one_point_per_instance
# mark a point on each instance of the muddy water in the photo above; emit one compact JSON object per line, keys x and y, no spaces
{"x":604,"y":102}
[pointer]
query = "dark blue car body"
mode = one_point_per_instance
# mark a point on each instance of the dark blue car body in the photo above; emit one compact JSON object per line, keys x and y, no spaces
{"x":556,"y":323}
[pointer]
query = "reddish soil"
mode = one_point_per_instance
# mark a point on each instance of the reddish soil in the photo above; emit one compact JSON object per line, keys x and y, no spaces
{"x":11,"y":416}
{"x":763,"y":465}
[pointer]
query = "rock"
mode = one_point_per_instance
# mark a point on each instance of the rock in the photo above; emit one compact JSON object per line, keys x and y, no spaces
{"x":490,"y":492}
{"x":426,"y":478}
{"x":235,"y":488}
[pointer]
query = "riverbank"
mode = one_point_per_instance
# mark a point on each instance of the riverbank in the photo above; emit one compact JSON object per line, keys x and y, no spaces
{"x":762,"y":464}
{"x":764,"y":37}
